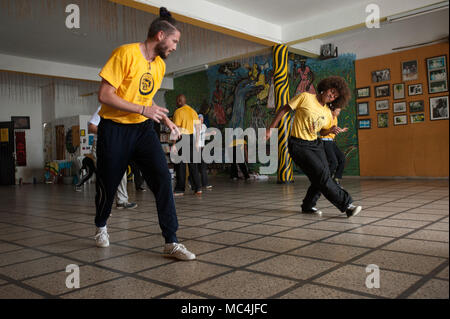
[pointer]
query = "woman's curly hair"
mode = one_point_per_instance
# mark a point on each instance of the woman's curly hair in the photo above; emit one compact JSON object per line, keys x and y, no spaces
{"x":338,"y":83}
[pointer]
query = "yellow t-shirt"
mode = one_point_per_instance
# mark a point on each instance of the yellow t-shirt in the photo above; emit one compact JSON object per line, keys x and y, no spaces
{"x":310,"y":116}
{"x":238,"y":142}
{"x":128,"y":71}
{"x":185,"y":117}
{"x":334,"y":122}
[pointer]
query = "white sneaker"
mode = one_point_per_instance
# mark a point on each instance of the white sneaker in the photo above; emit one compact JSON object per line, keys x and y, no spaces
{"x":178,"y":251}
{"x":101,"y":237}
{"x":353,"y":210}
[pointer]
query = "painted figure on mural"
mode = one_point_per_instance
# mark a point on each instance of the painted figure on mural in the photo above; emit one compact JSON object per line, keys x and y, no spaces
{"x":306,"y":78}
{"x":217,"y":100}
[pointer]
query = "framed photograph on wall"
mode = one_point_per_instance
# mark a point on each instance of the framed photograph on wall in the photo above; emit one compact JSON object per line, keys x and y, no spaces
{"x":382,"y":105}
{"x":21,"y":122}
{"x":417,"y":118}
{"x":400,"y":119}
{"x":381,"y":75}
{"x":414,"y":89}
{"x":437,"y":74}
{"x":439,"y":108}
{"x":364,"y":124}
{"x":416,"y":106}
{"x":383,"y":120}
{"x":409,"y":71}
{"x":399,"y":91}
{"x":400,"y":107}
{"x":363,"y":108}
{"x":382,"y":90}
{"x":363,"y":92}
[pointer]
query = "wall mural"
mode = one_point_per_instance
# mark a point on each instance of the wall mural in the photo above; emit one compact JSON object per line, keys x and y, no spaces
{"x":240,"y":94}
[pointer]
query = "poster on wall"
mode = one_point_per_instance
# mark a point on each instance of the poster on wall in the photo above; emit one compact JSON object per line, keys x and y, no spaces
{"x":439,"y":108}
{"x":409,"y":71}
{"x":21,"y":149}
{"x":437,"y":74}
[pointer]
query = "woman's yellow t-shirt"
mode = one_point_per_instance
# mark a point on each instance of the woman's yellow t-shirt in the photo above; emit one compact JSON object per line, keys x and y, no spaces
{"x":128,"y":71}
{"x":310,"y":116}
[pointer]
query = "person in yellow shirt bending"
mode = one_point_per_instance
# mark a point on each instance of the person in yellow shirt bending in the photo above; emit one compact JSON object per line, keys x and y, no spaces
{"x":130,"y":79}
{"x":306,"y":149}
{"x":185,"y":117}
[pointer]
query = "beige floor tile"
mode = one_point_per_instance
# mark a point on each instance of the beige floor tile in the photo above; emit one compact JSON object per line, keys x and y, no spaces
{"x":146,"y":242}
{"x":23,"y":235}
{"x":443,"y":274}
{"x":293,"y":266}
{"x":438,"y":226}
{"x":18,"y":256}
{"x":5,"y":247}
{"x":15,"y":292}
{"x":94,"y":253}
{"x":421,"y":216}
{"x":433,"y":289}
{"x":332,"y":226}
{"x":199,"y":247}
{"x":226,"y":225}
{"x":122,"y":235}
{"x":183,"y":295}
{"x":229,"y":238}
{"x":255,"y":219}
{"x":306,"y":234}
{"x":262,"y":229}
{"x":134,"y":288}
{"x":405,"y":223}
{"x":430,"y":235}
{"x":361,"y":240}
{"x":332,"y":252}
{"x":55,"y":283}
{"x":419,"y":247}
{"x":49,"y":238}
{"x":184,"y":273}
{"x":289,"y":222}
{"x":392,"y":284}
{"x":195,"y":232}
{"x":275,"y":244}
{"x":404,"y":262}
{"x":35,"y":267}
{"x":235,"y":256}
{"x":310,"y":291}
{"x":381,"y":231}
{"x":135,"y":262}
{"x":243,"y":285}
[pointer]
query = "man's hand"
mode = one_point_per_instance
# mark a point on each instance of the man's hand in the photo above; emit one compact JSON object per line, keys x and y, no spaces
{"x":156,"y":113}
{"x":174,"y":131}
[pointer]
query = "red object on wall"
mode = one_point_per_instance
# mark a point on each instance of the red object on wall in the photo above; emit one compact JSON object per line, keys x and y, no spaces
{"x":21,"y":149}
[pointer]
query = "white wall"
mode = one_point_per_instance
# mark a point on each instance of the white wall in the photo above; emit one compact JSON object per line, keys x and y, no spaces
{"x":33,"y":137}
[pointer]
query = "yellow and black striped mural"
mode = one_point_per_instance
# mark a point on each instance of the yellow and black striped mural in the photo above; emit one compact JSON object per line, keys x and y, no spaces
{"x":281,"y":87}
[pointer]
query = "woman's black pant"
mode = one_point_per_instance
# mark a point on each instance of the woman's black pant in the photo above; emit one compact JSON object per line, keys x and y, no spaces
{"x":310,"y":157}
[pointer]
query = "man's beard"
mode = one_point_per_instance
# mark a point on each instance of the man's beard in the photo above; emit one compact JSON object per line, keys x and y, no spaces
{"x":161,"y":50}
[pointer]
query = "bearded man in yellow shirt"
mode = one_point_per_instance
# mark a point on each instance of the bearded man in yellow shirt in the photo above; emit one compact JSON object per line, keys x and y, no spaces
{"x":130,"y":80}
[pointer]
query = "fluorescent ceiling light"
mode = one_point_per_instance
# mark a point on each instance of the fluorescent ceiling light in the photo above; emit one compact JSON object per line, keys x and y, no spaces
{"x":190,"y":70}
{"x":413,"y":13}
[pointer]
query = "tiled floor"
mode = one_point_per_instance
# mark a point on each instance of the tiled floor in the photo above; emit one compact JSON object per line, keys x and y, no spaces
{"x":250,"y":239}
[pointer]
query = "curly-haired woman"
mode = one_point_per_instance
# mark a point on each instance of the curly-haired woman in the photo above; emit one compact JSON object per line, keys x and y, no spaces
{"x":311,"y":116}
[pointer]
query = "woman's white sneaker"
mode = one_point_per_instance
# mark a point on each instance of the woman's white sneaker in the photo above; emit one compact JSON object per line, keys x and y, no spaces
{"x":101,"y":237}
{"x":178,"y":251}
{"x":353,"y":210}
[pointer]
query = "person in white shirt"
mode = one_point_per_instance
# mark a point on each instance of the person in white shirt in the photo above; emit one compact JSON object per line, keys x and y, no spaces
{"x":122,"y":193}
{"x":202,"y":166}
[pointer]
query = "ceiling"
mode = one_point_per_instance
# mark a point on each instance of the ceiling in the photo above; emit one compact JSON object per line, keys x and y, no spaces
{"x":213,"y":30}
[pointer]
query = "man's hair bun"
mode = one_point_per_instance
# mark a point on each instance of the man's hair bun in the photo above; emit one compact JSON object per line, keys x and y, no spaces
{"x":164,"y":13}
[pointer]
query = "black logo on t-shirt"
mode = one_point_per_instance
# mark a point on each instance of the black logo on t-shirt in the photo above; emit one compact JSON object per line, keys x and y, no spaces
{"x":146,"y":84}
